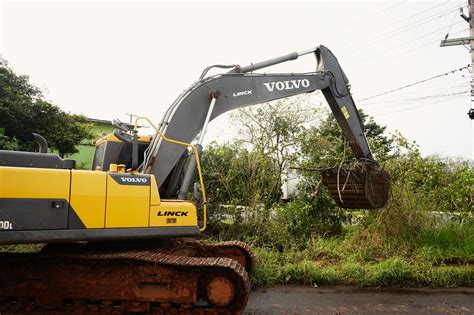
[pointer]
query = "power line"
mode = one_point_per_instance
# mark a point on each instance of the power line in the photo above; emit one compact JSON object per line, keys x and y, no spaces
{"x":418,"y":47}
{"x":452,"y":21}
{"x":436,"y":85}
{"x":420,"y":90}
{"x":428,"y":100}
{"x":413,"y":15}
{"x":445,"y":89}
{"x":412,"y":99}
{"x":414,"y":83}
{"x":428,"y":43}
{"x":408,"y":27}
{"x":381,"y":56}
{"x":415,"y":92}
{"x":424,"y":20}
{"x":422,"y":36}
{"x":390,"y":7}
{"x":419,"y":106}
{"x":377,"y":12}
{"x":446,"y":81}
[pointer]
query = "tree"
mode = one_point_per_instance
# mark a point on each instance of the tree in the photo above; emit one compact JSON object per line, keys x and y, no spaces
{"x":7,"y":143}
{"x":274,"y":130}
{"x":23,"y":111}
{"x":324,"y":145}
{"x":237,"y":176}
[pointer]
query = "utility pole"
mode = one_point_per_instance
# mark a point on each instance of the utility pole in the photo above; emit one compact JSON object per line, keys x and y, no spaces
{"x":471,"y":34}
{"x":471,"y":110}
{"x":465,"y":41}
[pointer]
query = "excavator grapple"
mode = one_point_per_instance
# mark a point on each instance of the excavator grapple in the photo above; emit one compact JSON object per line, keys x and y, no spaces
{"x":363,"y":186}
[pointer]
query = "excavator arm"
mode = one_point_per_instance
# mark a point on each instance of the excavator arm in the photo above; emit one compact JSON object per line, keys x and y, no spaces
{"x":212,"y":96}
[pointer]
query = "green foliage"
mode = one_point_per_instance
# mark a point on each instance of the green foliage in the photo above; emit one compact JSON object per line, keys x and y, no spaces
{"x":23,"y":111}
{"x":269,"y":264}
{"x":439,"y":257}
{"x":7,"y":143}
{"x":324,"y":145}
{"x":276,"y":131}
{"x":232,"y":172}
{"x":451,"y":244}
{"x":447,"y":182}
{"x":395,"y":271}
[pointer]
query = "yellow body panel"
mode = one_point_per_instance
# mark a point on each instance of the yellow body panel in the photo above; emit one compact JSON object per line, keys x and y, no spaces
{"x":97,"y":199}
{"x":24,"y":182}
{"x":173,"y":213}
{"x":88,"y":192}
{"x":154,"y":193}
{"x":127,"y":205}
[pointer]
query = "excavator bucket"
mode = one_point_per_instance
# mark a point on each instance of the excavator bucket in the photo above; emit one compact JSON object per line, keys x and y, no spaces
{"x":363,"y":186}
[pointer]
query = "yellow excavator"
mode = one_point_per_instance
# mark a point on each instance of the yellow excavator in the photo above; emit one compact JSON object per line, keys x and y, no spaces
{"x":118,"y":236}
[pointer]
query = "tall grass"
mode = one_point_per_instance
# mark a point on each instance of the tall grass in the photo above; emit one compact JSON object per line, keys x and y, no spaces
{"x":402,"y":245}
{"x":439,"y":258}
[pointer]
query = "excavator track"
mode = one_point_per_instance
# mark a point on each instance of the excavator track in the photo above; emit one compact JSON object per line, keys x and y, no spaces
{"x":189,"y":247}
{"x":235,"y":250}
{"x":88,"y":280}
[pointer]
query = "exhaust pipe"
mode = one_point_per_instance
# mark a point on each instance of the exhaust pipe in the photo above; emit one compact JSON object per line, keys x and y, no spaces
{"x":42,"y":143}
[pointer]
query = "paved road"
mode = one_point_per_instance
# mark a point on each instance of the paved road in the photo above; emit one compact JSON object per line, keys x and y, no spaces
{"x":352,"y":300}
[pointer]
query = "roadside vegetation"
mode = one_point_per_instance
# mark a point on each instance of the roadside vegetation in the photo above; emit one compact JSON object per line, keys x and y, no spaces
{"x":423,"y":237}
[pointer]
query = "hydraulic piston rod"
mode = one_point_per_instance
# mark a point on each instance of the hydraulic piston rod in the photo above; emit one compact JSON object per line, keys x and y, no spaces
{"x":273,"y":61}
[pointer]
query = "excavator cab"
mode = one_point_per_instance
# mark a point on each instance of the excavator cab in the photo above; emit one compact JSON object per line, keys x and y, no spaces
{"x":113,"y":150}
{"x":120,"y":147}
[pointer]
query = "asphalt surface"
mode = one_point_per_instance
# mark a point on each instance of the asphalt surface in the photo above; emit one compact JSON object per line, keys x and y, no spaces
{"x":292,"y":299}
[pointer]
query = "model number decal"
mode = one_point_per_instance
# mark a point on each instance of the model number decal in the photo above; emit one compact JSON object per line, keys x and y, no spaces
{"x":6,"y":225}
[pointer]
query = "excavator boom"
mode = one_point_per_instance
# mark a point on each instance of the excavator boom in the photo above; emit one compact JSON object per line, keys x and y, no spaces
{"x":212,"y":96}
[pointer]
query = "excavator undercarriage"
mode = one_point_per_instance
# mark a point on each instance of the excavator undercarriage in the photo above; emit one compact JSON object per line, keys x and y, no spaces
{"x":169,"y":276}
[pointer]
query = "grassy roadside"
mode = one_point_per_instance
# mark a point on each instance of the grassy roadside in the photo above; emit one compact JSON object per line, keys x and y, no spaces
{"x":442,"y":257}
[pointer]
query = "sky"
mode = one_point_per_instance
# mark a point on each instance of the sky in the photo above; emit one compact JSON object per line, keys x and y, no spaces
{"x":106,"y":59}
